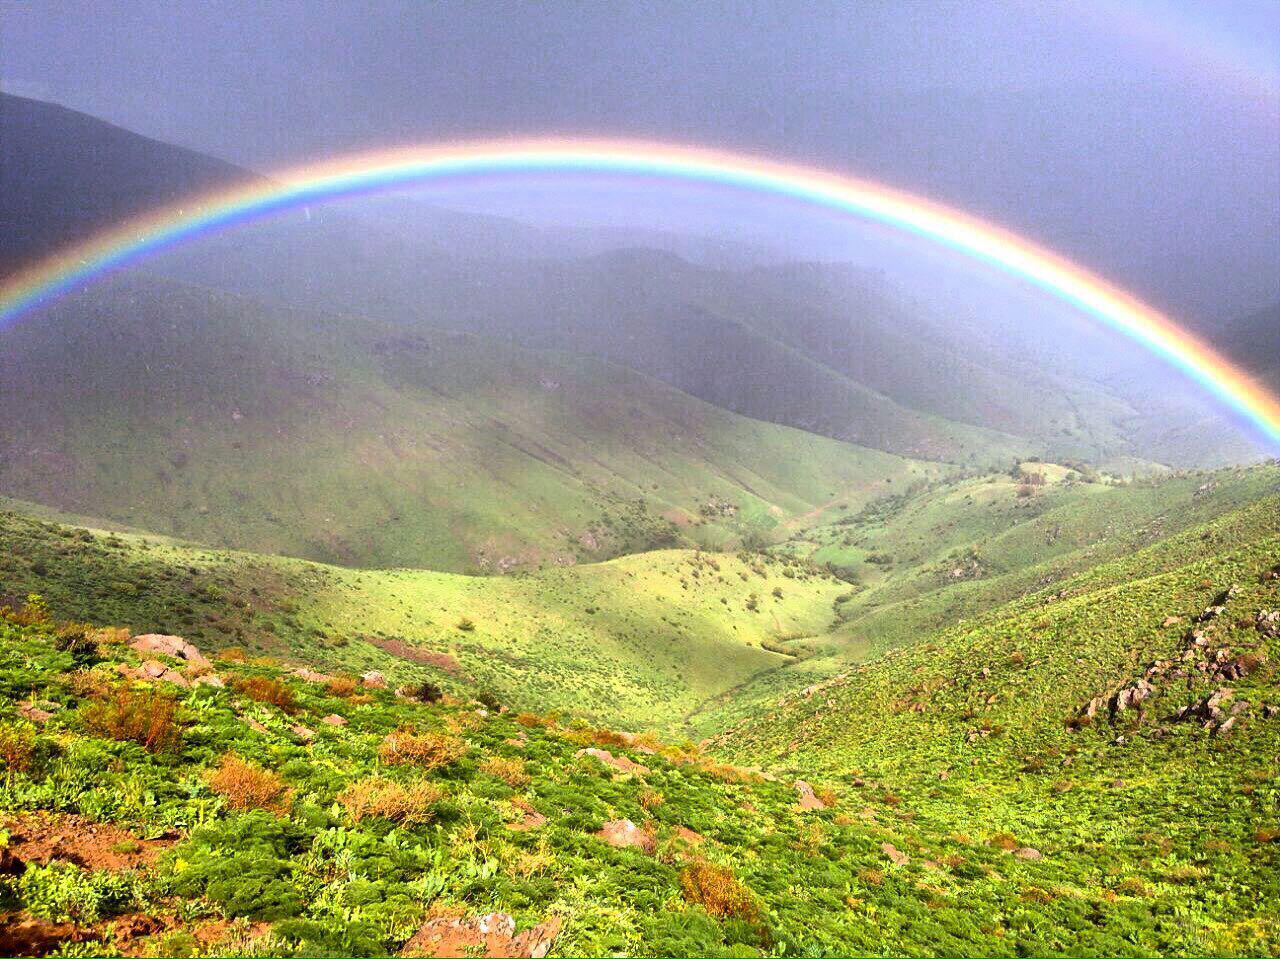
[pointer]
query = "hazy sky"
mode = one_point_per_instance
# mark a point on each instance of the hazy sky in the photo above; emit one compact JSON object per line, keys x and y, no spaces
{"x":1141,"y":138}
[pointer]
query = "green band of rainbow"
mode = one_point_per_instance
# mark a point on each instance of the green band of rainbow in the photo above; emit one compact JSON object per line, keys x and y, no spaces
{"x":398,"y":168}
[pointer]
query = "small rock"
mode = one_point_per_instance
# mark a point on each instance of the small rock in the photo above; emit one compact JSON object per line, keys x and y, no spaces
{"x":333,"y":719}
{"x":623,"y":833}
{"x":174,"y":646}
{"x":34,"y":713}
{"x":302,"y":732}
{"x":374,"y":680}
{"x":1028,"y":852}
{"x":209,"y":679}
{"x":1171,"y":621}
{"x":808,"y":798}
{"x":621,"y":763}
{"x":898,"y":857}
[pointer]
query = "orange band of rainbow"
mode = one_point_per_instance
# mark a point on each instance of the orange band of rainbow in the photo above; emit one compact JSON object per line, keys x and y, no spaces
{"x":398,"y":168}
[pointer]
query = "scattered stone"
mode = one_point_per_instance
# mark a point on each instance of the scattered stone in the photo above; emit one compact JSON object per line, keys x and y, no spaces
{"x":311,"y":676}
{"x":690,"y":836}
{"x":1270,"y":712}
{"x":1212,"y":612}
{"x":253,"y":724}
{"x":897,"y":856}
{"x":34,"y":713}
{"x":302,"y":732}
{"x":1171,"y":621}
{"x":209,"y":679}
{"x":1130,"y":696}
{"x":174,"y":646}
{"x":808,"y":798}
{"x":621,"y":763}
{"x":1224,"y":727}
{"x":531,"y":818}
{"x":1268,"y":622}
{"x":624,"y":834}
{"x":1028,"y":852}
{"x":374,"y":679}
{"x":333,"y":719}
{"x":493,"y":934}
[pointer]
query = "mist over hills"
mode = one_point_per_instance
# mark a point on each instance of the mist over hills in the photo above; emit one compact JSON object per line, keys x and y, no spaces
{"x":381,"y":575}
{"x":828,"y":348}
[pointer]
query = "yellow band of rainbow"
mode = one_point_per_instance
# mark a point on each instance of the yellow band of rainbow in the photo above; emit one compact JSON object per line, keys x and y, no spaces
{"x":402,"y":167}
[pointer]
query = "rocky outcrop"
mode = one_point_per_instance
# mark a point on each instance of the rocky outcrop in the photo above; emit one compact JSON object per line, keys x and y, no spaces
{"x":621,"y":763}
{"x":174,"y":646}
{"x":624,"y":834}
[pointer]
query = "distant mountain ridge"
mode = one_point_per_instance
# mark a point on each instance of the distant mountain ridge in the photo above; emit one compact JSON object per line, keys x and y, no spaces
{"x":827,"y":348}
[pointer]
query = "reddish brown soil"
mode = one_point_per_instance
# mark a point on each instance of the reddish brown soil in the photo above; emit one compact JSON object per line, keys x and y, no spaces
{"x":44,"y":837}
{"x":490,"y":935}
{"x":25,"y":935}
{"x":416,"y":654}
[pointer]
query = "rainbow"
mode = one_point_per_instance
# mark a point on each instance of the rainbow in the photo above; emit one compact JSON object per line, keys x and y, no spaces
{"x":417,"y":165}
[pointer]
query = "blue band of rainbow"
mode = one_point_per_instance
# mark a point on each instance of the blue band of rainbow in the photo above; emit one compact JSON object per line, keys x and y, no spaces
{"x":399,"y":168}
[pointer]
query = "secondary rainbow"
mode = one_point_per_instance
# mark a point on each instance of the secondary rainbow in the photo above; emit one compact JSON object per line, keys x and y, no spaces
{"x":403,"y":167}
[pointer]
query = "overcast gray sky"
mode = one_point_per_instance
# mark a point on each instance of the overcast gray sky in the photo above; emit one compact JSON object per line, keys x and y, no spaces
{"x":1141,"y":138}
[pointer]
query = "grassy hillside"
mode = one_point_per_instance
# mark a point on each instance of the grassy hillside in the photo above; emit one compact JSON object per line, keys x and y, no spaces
{"x":980,"y":792}
{"x":925,"y":559}
{"x":639,"y":641}
{"x":240,"y":424}
{"x":1152,"y":822}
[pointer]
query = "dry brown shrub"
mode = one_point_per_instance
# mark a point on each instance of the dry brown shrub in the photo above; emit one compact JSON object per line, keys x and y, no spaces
{"x":725,"y":772}
{"x":1132,"y":886}
{"x":245,"y":785}
{"x":872,"y":877}
{"x":17,"y":749}
{"x":341,"y":686}
{"x":607,"y":737}
{"x":1005,"y":841}
{"x":233,"y":654}
{"x":1267,"y":835}
{"x":110,"y":635}
{"x":413,"y":804}
{"x":147,"y":717}
{"x":530,"y":720}
{"x":827,"y":796}
{"x":510,"y":771}
{"x":272,"y":692}
{"x":718,"y":892}
{"x":461,"y":722}
{"x":651,"y":799}
{"x":426,"y":750}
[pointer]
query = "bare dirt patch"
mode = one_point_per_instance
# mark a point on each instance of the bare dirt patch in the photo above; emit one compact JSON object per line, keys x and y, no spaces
{"x":45,"y":837}
{"x":22,"y":934}
{"x":493,"y":934}
{"x":416,"y":654}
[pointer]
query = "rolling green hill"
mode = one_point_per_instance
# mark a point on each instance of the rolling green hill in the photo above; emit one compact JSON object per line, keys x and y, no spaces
{"x":1089,"y":768}
{"x":249,"y":425}
{"x":1020,"y":729}
{"x":640,"y":640}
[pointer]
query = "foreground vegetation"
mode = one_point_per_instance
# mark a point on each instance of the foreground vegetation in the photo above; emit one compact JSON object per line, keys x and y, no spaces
{"x":1083,"y":763}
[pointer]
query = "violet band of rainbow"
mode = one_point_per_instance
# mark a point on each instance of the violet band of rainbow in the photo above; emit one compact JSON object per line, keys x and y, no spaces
{"x":370,"y":173}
